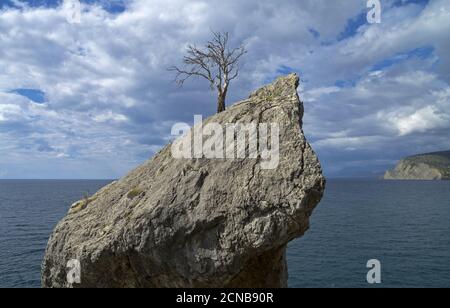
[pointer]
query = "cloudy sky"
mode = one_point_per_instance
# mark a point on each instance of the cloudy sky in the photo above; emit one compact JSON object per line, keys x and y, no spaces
{"x":94,"y":99}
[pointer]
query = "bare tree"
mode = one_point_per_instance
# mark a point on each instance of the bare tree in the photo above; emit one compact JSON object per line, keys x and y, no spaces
{"x":216,"y":62}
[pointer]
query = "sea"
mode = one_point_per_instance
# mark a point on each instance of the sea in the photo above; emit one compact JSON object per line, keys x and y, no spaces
{"x":404,"y":226}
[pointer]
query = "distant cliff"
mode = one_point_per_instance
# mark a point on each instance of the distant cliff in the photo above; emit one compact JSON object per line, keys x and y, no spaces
{"x":431,"y":166}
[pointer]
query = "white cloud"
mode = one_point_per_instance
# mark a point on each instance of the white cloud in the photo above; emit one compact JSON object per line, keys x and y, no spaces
{"x":420,"y":120}
{"x":9,"y":111}
{"x":315,"y":94}
{"x":110,"y":116}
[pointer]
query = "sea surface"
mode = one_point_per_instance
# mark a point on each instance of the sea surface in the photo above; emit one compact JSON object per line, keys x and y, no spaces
{"x":404,"y":225}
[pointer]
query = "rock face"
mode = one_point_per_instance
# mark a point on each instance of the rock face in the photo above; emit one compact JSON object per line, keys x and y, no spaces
{"x":431,"y":166}
{"x":197,"y":222}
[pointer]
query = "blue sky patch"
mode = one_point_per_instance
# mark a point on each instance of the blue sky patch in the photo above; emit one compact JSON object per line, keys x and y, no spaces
{"x":31,"y":3}
{"x":314,"y":33}
{"x":420,"y":53}
{"x":112,"y":6}
{"x":281,"y":71}
{"x":345,"y":83}
{"x":353,"y":25}
{"x":284,"y":70}
{"x":406,"y":2}
{"x":34,"y":95}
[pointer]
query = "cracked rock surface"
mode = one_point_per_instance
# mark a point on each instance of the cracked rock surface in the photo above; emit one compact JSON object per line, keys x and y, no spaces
{"x":197,"y":222}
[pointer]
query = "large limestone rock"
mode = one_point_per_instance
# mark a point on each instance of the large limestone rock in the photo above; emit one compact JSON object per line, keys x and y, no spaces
{"x":197,"y":222}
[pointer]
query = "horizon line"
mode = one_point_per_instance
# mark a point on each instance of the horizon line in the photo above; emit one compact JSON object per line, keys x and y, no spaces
{"x":115,"y":179}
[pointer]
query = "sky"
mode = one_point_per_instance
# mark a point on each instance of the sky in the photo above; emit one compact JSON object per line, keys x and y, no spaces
{"x":93,"y":99}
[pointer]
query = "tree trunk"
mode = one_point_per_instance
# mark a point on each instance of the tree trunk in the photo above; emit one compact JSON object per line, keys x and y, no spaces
{"x":220,"y":103}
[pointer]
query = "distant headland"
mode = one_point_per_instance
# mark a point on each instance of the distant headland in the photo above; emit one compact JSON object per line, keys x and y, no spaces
{"x":430,"y":166}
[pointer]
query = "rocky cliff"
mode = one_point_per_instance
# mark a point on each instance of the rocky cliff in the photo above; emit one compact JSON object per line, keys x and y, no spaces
{"x":197,"y":222}
{"x":431,"y":166}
